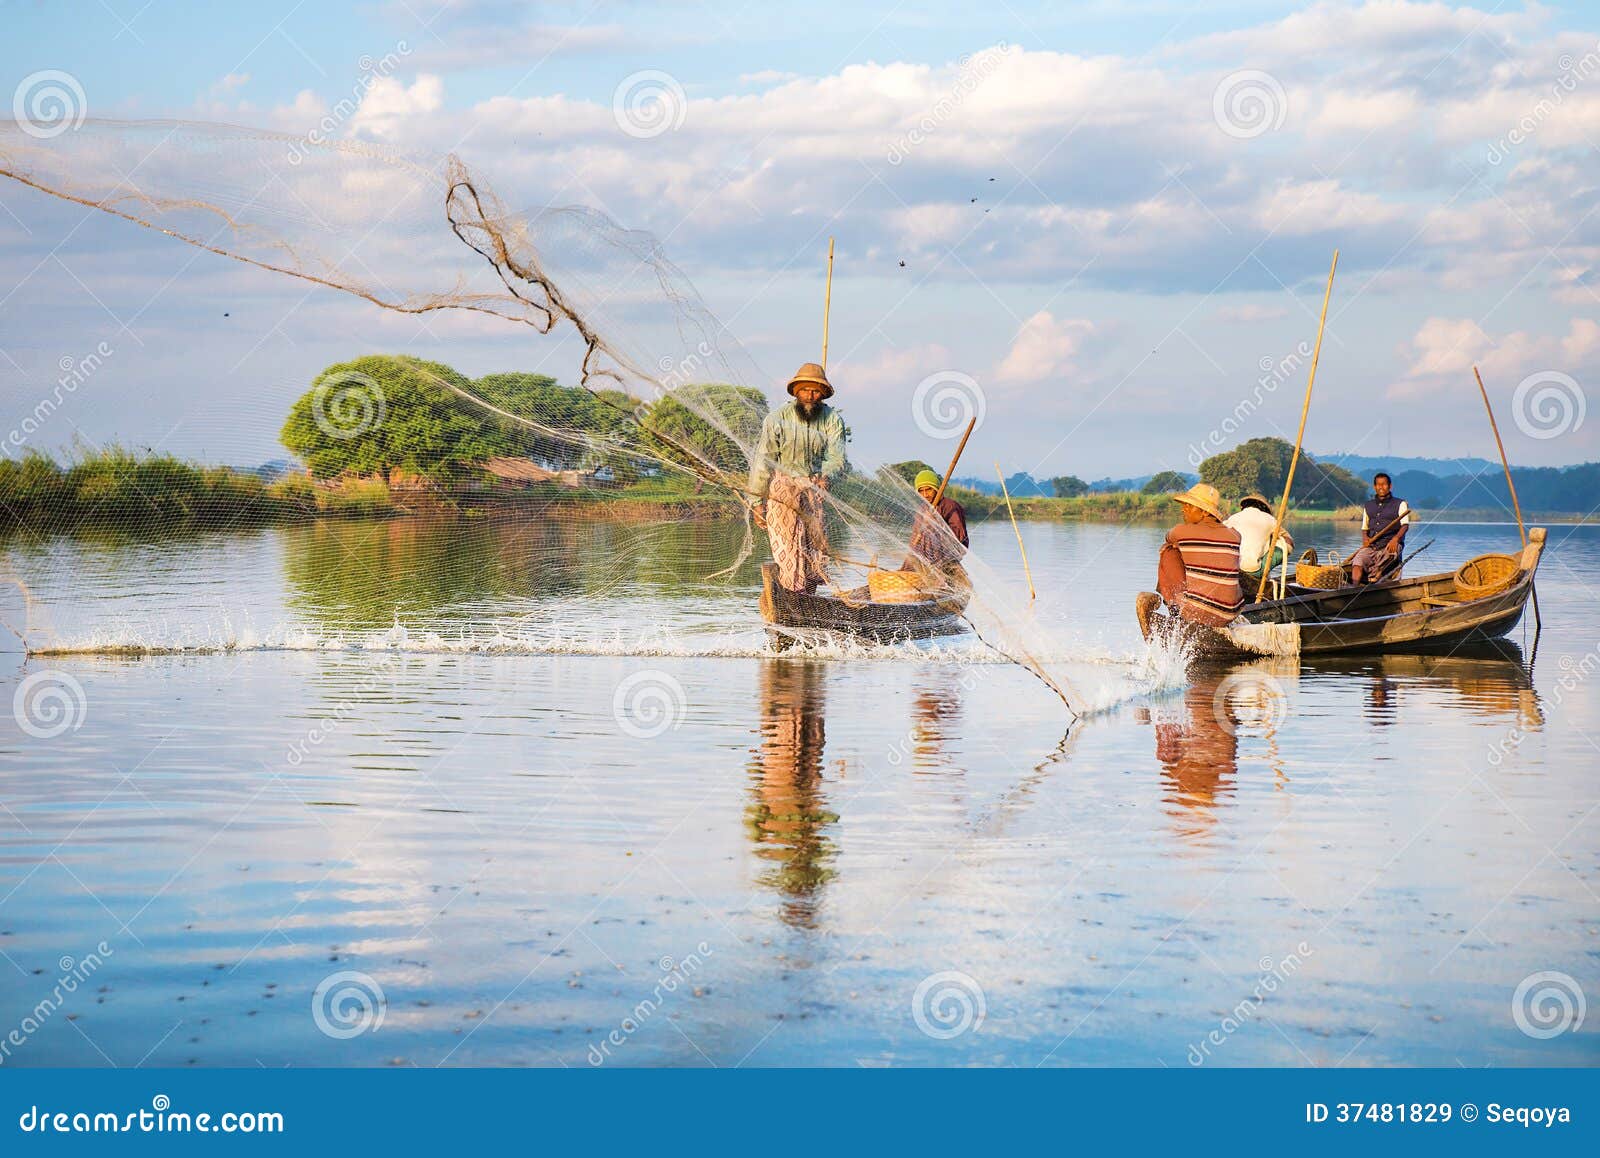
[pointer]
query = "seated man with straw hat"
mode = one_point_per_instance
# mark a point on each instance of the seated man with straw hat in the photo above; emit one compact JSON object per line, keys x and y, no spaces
{"x":1254,"y":521}
{"x":801,"y":449}
{"x":1198,"y":573}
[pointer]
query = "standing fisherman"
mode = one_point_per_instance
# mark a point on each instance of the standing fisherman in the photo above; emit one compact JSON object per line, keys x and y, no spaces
{"x":800,"y":452}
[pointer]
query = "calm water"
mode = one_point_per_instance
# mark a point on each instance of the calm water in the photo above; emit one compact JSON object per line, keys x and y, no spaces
{"x":557,"y":819}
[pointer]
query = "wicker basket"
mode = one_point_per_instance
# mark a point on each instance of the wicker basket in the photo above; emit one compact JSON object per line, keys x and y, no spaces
{"x":895,"y":586}
{"x":1486,"y":575}
{"x":1322,"y":576}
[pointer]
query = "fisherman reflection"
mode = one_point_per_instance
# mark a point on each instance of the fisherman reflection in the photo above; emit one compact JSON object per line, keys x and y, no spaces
{"x":936,"y":719}
{"x":1199,"y":752}
{"x":786,"y":818}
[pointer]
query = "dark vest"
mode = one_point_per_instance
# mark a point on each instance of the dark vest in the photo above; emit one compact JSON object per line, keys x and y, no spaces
{"x":1379,"y":516}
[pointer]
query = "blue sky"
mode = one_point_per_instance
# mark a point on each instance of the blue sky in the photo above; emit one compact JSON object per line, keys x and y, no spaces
{"x":1092,"y":234}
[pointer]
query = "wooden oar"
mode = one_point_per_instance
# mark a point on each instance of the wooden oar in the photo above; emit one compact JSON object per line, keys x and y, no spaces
{"x":827,"y":305}
{"x":962,"y":445}
{"x":1510,"y":486}
{"x":1394,"y":522}
{"x":1316,"y":353}
{"x":1026,"y":570}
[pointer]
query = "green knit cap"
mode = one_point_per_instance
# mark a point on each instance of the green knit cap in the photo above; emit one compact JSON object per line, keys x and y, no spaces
{"x":926,"y":478}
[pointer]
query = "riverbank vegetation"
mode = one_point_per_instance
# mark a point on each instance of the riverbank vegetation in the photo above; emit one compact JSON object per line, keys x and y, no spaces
{"x":386,"y":435}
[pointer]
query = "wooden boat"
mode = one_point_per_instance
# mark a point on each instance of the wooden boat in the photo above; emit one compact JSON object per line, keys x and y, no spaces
{"x":1399,"y":615}
{"x":791,"y":616}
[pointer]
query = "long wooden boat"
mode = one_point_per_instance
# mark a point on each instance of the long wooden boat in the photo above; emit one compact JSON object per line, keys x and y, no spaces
{"x":1399,"y":615}
{"x":792,"y":616}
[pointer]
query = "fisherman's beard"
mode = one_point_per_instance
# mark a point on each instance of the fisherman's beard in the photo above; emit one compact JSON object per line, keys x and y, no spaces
{"x":808,"y":411}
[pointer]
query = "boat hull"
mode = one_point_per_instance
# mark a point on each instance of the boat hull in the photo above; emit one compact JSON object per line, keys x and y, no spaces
{"x":791,"y":616}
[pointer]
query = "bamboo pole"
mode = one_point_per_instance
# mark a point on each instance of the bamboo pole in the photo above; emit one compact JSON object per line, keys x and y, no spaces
{"x":1026,"y":570}
{"x":827,"y":305}
{"x":1510,"y":486}
{"x":944,"y":482}
{"x":1299,"y":438}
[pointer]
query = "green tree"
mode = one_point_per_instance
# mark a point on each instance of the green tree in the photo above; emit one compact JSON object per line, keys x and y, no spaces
{"x":1262,"y":465}
{"x":714,"y":420}
{"x":1165,"y":482}
{"x":1069,"y":486}
{"x":909,"y":469}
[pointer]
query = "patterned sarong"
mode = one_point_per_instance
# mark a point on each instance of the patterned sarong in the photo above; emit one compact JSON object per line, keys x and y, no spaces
{"x":794,"y":528}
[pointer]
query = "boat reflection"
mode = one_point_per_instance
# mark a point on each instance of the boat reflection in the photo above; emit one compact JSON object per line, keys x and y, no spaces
{"x":1490,"y":680}
{"x":1226,"y":709}
{"x":786,"y":818}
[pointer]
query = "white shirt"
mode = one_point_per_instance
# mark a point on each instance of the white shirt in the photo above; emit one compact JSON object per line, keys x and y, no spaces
{"x":1254,"y":527}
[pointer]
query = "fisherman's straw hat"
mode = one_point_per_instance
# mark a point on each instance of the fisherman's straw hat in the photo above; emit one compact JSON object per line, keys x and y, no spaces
{"x":1256,"y":497}
{"x":1202,"y":496}
{"x":813,"y":373}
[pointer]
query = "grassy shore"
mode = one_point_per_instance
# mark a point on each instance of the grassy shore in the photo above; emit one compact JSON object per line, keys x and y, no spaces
{"x":1108,"y":507}
{"x":115,"y":487}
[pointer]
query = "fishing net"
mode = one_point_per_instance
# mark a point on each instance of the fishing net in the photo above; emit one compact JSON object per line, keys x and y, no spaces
{"x":420,"y":503}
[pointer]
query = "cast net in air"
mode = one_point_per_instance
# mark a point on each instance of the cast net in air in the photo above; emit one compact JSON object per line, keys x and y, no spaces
{"x":415,"y":503}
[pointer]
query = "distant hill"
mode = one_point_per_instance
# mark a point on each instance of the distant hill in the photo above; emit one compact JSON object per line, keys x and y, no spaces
{"x":1136,"y":483}
{"x":1365,"y":465}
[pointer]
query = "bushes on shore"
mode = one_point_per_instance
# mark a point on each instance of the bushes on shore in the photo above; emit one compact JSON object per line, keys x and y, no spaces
{"x":115,"y":486}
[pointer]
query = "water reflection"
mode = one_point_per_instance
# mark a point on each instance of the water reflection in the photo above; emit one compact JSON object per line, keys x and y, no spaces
{"x":786,"y":817}
{"x":1197,"y":746}
{"x":1490,"y":680}
{"x":357,"y":573}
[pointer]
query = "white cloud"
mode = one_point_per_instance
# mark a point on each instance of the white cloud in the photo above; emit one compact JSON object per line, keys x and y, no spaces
{"x":1044,"y":347}
{"x":389,"y":104}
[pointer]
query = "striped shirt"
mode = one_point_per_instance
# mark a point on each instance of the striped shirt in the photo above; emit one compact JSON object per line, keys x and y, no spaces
{"x":1199,"y":572}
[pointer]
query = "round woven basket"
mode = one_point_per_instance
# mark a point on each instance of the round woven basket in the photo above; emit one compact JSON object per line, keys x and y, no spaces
{"x":1322,"y":576}
{"x":1486,"y":575}
{"x":895,"y":586}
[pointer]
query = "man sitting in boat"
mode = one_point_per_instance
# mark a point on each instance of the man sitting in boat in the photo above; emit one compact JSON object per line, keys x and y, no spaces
{"x":800,"y":451}
{"x":1385,"y":519}
{"x":932,"y":549}
{"x":1254,"y":522}
{"x":1198,"y":572}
